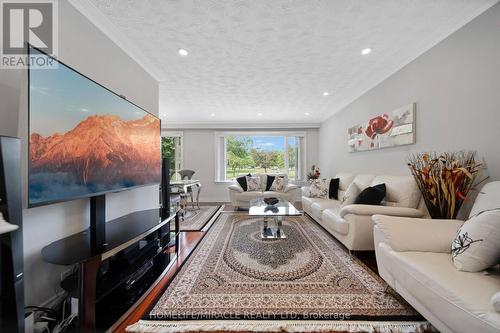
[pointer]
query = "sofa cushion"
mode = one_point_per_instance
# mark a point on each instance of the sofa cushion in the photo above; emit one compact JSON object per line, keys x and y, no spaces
{"x":477,"y":243}
{"x":487,"y":198}
{"x":308,"y":201}
{"x":269,"y":182}
{"x":242,"y":180}
{"x":282,"y":195}
{"x":263,"y":179}
{"x":279,"y":184}
{"x":253,"y":183}
{"x":345,"y":179}
{"x":291,"y":187}
{"x":350,"y":195}
{"x":460,"y":299}
{"x":400,"y":190}
{"x":318,"y":207}
{"x":319,"y":188}
{"x":247,"y":196}
{"x":416,"y":234}
{"x":341,"y":194}
{"x":363,"y":180}
{"x":372,"y":195}
{"x":333,"y":191}
{"x":331,"y":220}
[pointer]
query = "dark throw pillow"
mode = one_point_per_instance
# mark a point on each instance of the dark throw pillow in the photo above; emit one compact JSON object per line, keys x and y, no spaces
{"x":333,"y":191}
{"x":372,"y":195}
{"x":270,"y":180}
{"x":243,"y":182}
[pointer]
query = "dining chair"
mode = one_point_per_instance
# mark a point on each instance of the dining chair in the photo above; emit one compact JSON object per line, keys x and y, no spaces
{"x":188,"y":174}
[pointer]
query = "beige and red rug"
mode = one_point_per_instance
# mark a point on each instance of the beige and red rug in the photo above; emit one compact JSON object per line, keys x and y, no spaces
{"x":234,"y":281}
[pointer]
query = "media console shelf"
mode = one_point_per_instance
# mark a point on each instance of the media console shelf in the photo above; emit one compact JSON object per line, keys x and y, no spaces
{"x":137,"y":249}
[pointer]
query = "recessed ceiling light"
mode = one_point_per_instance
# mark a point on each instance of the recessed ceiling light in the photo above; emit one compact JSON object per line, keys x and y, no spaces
{"x":212,"y":115}
{"x":183,"y":52}
{"x":306,"y":113}
{"x":259,"y":114}
{"x":164,"y":115}
{"x":326,"y":93}
{"x":366,"y":51}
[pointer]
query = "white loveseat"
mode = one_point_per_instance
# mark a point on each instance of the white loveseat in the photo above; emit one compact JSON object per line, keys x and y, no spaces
{"x":352,"y":224}
{"x":241,"y":199}
{"x":414,"y":258}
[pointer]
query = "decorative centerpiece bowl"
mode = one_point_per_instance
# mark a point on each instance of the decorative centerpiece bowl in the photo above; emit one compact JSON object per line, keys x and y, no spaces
{"x":271,"y":208}
{"x":271,"y":201}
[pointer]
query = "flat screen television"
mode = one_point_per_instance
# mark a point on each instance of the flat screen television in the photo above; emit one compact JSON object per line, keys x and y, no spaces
{"x":85,"y":140}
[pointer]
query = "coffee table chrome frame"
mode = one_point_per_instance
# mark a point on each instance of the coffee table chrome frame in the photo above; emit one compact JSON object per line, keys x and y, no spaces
{"x":269,"y":233}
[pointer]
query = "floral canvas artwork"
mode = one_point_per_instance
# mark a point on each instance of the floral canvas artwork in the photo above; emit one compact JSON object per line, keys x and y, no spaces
{"x":390,"y":129}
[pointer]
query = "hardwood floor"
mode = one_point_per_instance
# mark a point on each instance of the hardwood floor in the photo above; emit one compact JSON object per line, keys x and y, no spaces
{"x":188,"y":242}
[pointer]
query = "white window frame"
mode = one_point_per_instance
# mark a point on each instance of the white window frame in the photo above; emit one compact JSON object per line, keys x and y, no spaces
{"x":220,"y":151}
{"x":179,"y":153}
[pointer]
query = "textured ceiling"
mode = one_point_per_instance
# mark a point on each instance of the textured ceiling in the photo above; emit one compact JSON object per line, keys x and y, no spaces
{"x":277,"y":57}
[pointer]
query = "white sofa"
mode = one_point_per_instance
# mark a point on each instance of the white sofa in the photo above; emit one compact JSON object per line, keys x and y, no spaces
{"x":352,"y":224}
{"x":241,"y":199}
{"x":414,"y":258}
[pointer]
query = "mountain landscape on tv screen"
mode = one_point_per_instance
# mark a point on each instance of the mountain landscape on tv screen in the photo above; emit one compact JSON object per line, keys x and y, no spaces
{"x":101,"y":153}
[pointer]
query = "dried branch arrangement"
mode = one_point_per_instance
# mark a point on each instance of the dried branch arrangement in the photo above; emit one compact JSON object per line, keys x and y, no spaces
{"x":444,"y":179}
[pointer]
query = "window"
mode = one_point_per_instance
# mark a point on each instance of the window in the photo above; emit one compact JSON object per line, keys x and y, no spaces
{"x":274,"y":153}
{"x":171,"y":148}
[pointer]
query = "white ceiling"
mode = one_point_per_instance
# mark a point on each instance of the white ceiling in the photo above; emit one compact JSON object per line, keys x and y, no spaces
{"x":275,"y":57}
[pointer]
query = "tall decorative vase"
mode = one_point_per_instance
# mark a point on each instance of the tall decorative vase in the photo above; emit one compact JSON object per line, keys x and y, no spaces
{"x":444,"y":179}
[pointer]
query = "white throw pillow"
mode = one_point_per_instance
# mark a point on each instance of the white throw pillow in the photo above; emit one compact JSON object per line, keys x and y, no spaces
{"x":350,"y":195}
{"x":477,"y":244}
{"x":253,"y":183}
{"x":279,"y":184}
{"x":495,"y":301}
{"x":319,"y":188}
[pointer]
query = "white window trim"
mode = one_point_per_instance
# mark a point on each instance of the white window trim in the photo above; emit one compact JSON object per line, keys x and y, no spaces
{"x":220,"y":150}
{"x":178,"y":134}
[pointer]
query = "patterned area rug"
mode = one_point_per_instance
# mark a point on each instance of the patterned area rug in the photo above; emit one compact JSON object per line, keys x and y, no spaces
{"x":234,"y":281}
{"x":195,"y":219}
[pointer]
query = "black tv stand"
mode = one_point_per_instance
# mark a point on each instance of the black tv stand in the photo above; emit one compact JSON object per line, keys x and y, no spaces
{"x":98,"y":222}
{"x":101,"y":274}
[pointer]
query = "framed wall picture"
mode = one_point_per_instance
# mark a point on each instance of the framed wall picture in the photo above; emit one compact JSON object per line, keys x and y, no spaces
{"x":390,"y":129}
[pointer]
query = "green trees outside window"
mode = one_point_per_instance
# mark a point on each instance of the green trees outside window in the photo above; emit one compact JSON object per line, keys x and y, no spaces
{"x":261,"y":154}
{"x":171,"y":149}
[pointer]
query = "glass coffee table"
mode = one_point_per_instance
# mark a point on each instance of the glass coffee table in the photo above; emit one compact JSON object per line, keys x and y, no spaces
{"x":283,"y":208}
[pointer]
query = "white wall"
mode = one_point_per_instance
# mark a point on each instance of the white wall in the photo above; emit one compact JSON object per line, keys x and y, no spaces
{"x":456,"y":88}
{"x":87,"y":49}
{"x":199,"y":155}
{"x":9,"y":101}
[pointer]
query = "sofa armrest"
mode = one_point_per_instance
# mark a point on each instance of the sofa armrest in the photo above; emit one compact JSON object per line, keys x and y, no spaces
{"x":236,"y":188}
{"x":290,"y":187}
{"x":380,"y":210}
{"x":411,"y":234}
